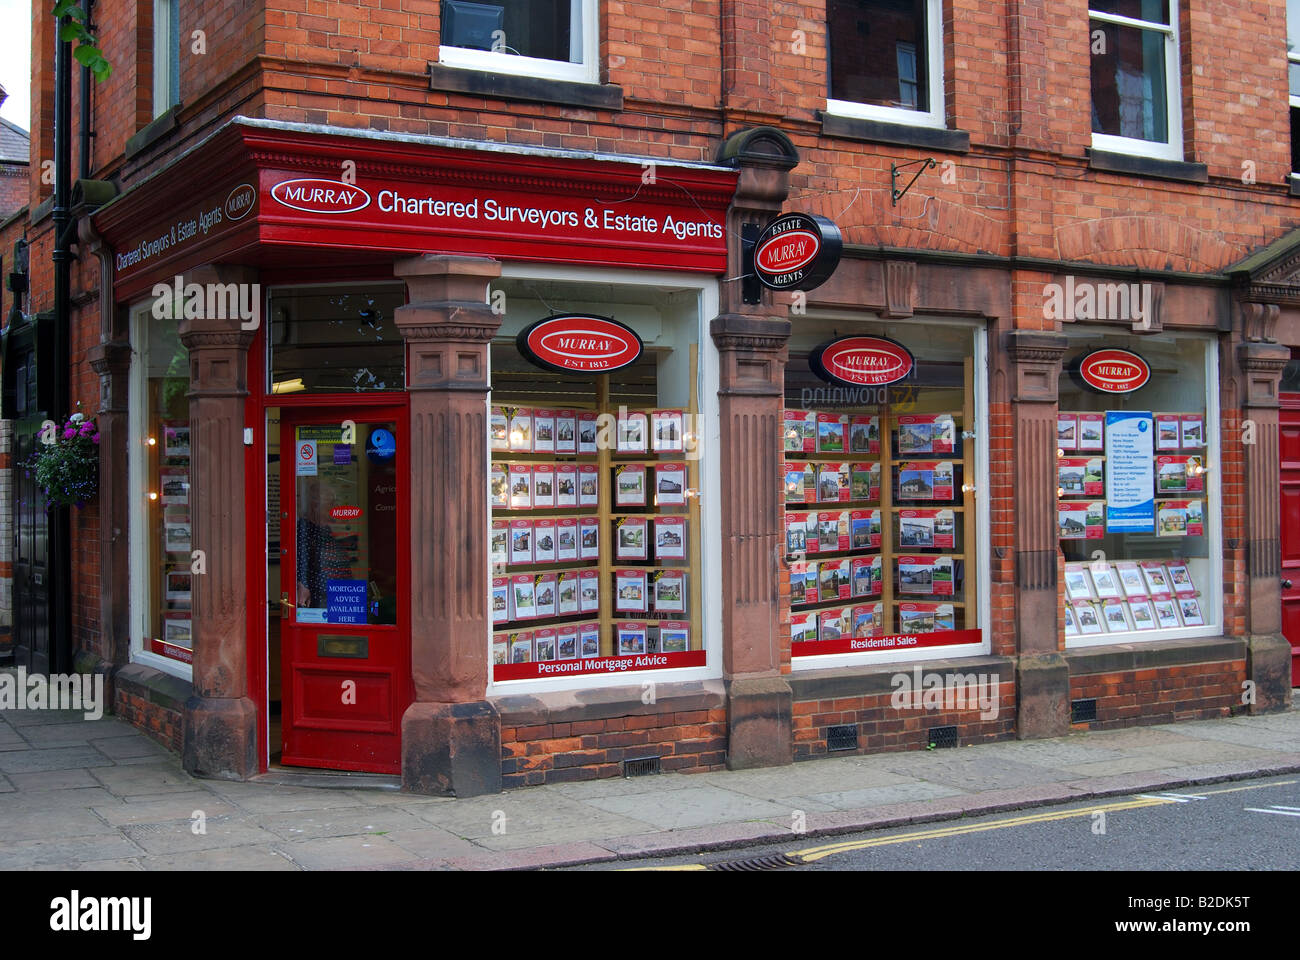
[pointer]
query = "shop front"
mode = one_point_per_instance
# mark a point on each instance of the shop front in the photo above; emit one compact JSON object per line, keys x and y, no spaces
{"x":372,"y":508}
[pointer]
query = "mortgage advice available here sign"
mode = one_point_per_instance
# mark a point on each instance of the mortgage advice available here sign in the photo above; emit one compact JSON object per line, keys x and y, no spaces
{"x":1130,"y":472}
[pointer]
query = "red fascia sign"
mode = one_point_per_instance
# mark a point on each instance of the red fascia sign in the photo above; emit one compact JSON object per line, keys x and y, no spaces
{"x":579,"y":343}
{"x":861,"y":361}
{"x":1112,"y":371}
{"x":263,"y":191}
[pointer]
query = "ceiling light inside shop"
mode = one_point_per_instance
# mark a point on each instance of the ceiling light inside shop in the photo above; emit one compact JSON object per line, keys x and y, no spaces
{"x":288,"y":386}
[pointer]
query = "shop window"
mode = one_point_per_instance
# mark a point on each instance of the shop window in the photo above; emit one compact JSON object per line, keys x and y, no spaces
{"x":160,"y":464}
{"x":597,"y":541}
{"x":882,"y":507}
{"x":166,"y":55}
{"x":1138,"y":489}
{"x":551,"y":39}
{"x":886,"y":60}
{"x":336,"y":339}
{"x":1136,"y":101}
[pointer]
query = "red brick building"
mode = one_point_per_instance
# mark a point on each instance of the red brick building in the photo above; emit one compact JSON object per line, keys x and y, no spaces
{"x":1041,"y":481}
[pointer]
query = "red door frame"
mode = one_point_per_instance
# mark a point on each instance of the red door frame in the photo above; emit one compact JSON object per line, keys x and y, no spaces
{"x":400,"y":665}
{"x":255,"y":530}
{"x":1289,"y":416}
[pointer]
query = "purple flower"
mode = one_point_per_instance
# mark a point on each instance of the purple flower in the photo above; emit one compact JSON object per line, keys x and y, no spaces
{"x":87,"y":428}
{"x":95,"y":438}
{"x":69,"y":433}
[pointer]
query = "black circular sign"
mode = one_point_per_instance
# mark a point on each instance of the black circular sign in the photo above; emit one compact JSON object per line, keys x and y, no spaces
{"x":797,"y":251}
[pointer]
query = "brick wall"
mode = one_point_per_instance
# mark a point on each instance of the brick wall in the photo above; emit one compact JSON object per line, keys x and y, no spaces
{"x":1197,"y":691}
{"x":687,"y":741}
{"x":160,"y":723}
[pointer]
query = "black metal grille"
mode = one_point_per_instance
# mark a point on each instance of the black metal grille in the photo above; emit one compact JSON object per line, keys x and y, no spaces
{"x":842,"y":737}
{"x":641,"y":766}
{"x":943,"y":737}
{"x":1083,"y":711}
{"x":773,"y":862}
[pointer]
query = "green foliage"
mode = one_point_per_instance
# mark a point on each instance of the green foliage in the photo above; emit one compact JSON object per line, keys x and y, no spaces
{"x":65,"y":462}
{"x":73,"y":29}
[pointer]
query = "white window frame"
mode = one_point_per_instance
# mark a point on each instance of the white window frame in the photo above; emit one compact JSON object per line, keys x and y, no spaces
{"x":1292,"y":56}
{"x":585,"y":71}
{"x":935,"y":116}
{"x":710,"y":481}
{"x":138,"y":422}
{"x":166,"y":57}
{"x":983,"y":524}
{"x":1211,"y":592}
{"x":1173,"y":150}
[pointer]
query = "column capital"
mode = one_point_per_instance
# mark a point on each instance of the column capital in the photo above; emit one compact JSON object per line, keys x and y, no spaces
{"x":751,"y":354}
{"x":1036,"y":357}
{"x":1262,"y":363}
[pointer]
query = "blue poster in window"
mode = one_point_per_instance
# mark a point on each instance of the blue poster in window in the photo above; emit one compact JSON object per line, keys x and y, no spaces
{"x":1130,"y":472}
{"x":345,"y":601}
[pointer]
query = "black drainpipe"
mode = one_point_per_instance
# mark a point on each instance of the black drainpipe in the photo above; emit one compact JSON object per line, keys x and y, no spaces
{"x":60,"y":552}
{"x":85,"y":87}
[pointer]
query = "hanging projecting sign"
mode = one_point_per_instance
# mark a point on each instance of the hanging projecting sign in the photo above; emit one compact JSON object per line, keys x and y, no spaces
{"x":861,"y":361}
{"x":579,"y":343}
{"x":798,"y":251}
{"x":1112,"y":371}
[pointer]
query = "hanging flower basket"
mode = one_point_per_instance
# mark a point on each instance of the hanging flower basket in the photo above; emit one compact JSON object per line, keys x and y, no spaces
{"x":66,"y":465}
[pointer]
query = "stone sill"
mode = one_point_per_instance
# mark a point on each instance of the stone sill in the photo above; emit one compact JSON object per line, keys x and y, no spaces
{"x":832,"y":683}
{"x":603,"y":703}
{"x":1154,"y":654}
{"x":509,"y":86}
{"x":898,"y":134}
{"x":1148,"y":166}
{"x":154,"y":686}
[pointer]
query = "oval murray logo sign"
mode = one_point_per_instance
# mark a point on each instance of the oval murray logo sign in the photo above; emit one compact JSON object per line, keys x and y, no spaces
{"x":311,"y":195}
{"x":1113,"y":371}
{"x":240,"y":201}
{"x":861,"y":361}
{"x":579,"y":343}
{"x":797,"y":251}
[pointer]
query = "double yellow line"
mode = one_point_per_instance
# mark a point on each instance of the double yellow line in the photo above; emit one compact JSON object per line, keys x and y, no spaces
{"x":813,"y":854}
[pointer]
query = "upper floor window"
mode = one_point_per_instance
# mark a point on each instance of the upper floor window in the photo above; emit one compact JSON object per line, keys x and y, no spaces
{"x":551,"y":39}
{"x":886,"y":60}
{"x":1136,"y":103}
{"x":166,"y":55}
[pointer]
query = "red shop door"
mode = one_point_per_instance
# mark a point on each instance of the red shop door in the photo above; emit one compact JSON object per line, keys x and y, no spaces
{"x":1289,"y":454}
{"x":345,"y":647}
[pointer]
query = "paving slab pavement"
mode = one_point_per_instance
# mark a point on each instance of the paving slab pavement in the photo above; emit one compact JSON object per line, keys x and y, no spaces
{"x":100,"y":795}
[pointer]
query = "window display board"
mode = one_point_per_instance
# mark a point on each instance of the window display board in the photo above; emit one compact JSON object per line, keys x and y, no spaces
{"x":595,"y":531}
{"x":1134,"y":500}
{"x":880,"y":533}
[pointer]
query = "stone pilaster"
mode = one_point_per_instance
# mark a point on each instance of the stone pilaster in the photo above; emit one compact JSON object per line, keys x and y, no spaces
{"x":220,"y":723}
{"x":1042,"y":675}
{"x":752,"y":345}
{"x":1268,"y":657}
{"x":451,"y":734}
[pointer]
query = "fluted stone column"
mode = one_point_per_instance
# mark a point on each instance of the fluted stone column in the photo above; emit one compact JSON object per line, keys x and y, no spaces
{"x":220,"y":722}
{"x":752,"y":347}
{"x":451,"y":734}
{"x":1268,"y":656}
{"x":1042,"y":674}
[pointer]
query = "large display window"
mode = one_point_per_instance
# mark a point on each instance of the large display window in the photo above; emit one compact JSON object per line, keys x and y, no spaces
{"x":1138,"y":507}
{"x":598,"y":542}
{"x":160,"y":466}
{"x":883,"y":504}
